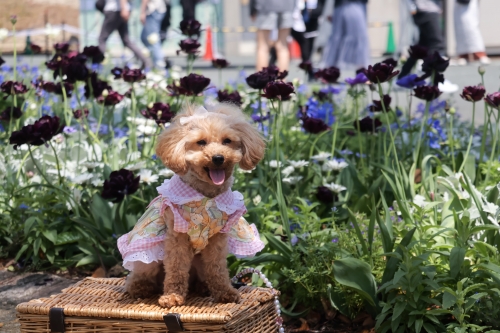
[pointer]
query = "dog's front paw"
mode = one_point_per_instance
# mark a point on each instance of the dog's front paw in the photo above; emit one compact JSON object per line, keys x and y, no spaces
{"x":171,"y":300}
{"x":230,"y":295}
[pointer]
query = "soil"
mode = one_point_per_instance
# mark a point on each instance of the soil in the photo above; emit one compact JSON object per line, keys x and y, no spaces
{"x":314,"y":322}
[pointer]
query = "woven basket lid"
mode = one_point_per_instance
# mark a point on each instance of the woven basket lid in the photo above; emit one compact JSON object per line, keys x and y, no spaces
{"x":106,"y":298}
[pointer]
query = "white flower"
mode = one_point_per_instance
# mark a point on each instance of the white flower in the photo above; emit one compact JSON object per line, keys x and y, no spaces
{"x":245,"y":171}
{"x":92,"y":165}
{"x":256,"y":200}
{"x":153,"y":38}
{"x":133,"y":156}
{"x":292,"y":180}
{"x":137,"y":166}
{"x":288,"y":171}
{"x":322,"y":156}
{"x":97,"y":182}
{"x":166,"y":173}
{"x":334,"y":165}
{"x":147,"y":176}
{"x":490,"y":208}
{"x":419,"y":200}
{"x":298,"y":164}
{"x":274,"y":164}
{"x":3,"y":33}
{"x":80,"y":179}
{"x":335,"y":188}
{"x":295,"y":129}
{"x":148,"y":130}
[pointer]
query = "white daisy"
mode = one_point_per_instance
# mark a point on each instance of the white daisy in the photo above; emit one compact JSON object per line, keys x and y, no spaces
{"x":292,"y":180}
{"x":137,"y":166}
{"x":490,"y":208}
{"x":322,"y":156}
{"x":167,"y":173}
{"x":335,"y":188}
{"x":419,"y":200}
{"x":334,"y":165}
{"x":288,"y":171}
{"x":274,"y":164}
{"x":298,"y":164}
{"x":147,"y":176}
{"x":84,"y":177}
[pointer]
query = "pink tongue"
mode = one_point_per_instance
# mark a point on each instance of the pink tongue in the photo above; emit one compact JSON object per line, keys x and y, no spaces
{"x":217,"y":176}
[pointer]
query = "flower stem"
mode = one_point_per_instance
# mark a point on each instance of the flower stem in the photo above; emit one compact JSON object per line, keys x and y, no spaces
{"x":452,"y":144}
{"x":37,"y":166}
{"x":381,"y":93}
{"x":420,"y":133}
{"x":57,"y":163}
{"x":358,"y":125}
{"x":493,"y":148}
{"x":133,"y":131}
{"x":471,"y":135}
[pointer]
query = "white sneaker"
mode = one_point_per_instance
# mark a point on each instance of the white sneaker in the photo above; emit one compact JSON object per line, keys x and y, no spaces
{"x":485,"y":60}
{"x":458,"y":62}
{"x":447,"y":87}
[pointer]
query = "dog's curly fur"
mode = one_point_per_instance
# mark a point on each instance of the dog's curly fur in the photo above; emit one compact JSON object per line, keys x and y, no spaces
{"x":180,"y":150}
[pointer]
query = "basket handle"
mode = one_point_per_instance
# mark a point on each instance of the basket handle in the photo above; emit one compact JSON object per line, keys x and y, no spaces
{"x":56,"y":320}
{"x":173,"y":322}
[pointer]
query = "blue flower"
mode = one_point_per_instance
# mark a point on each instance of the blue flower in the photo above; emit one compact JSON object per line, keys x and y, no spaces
{"x":410,"y":81}
{"x":120,"y":132}
{"x":359,"y":79}
{"x":335,"y":240}
{"x":295,"y":226}
{"x":302,"y":89}
{"x":436,"y":133}
{"x":2,"y":129}
{"x":318,"y":110}
{"x":294,"y":240}
{"x":2,"y":78}
{"x":46,"y":108}
{"x":399,"y":113}
{"x":69,"y":130}
{"x":102,"y":130}
{"x":255,"y":106}
{"x":154,"y":157}
{"x":23,"y":206}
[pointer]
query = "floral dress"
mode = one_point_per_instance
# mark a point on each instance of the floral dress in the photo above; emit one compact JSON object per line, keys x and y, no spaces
{"x":198,"y":216}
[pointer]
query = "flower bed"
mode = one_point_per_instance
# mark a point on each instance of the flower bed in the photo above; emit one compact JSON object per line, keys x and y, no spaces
{"x":374,"y":212}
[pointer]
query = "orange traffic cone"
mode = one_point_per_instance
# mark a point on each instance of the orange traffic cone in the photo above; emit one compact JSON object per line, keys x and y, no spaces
{"x":294,"y":48}
{"x":209,"y":54}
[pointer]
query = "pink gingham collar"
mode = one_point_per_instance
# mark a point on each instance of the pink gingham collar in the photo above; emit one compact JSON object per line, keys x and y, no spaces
{"x":180,"y":193}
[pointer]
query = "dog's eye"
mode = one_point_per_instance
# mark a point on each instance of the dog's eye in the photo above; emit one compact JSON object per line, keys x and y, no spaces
{"x":226,"y":141}
{"x":202,"y":142}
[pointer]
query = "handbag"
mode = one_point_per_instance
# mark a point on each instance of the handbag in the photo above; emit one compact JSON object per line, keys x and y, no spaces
{"x":99,"y":5}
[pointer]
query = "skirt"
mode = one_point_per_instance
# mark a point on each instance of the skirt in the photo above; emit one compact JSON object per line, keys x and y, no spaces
{"x":467,"y":32}
{"x":348,"y":46}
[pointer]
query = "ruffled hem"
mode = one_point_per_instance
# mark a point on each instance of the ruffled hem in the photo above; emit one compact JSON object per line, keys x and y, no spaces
{"x":146,"y":256}
{"x":144,"y":244}
{"x":241,"y":249}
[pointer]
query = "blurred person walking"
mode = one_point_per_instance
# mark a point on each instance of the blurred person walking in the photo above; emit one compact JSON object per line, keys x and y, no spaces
{"x":269,"y":15}
{"x":189,"y":9}
{"x":470,"y":44}
{"x":348,"y":45}
{"x":116,"y":15}
{"x":310,"y":10}
{"x":152,"y":13}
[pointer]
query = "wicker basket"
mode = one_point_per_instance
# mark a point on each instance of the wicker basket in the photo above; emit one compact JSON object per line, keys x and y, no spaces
{"x":102,"y":305}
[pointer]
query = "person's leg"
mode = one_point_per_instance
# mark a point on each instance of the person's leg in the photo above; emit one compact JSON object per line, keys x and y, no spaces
{"x":282,"y":49}
{"x":262,"y":48}
{"x":431,"y":34}
{"x":123,"y":31}
{"x":110,"y":24}
{"x":188,"y":9}
{"x":302,"y":41}
{"x":150,"y":36}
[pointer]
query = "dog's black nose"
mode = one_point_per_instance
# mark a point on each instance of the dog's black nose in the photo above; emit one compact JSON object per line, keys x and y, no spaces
{"x":218,"y":159}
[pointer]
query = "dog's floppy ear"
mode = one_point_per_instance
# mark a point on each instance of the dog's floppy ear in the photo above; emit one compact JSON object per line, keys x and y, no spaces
{"x":252,"y":145}
{"x":171,"y":147}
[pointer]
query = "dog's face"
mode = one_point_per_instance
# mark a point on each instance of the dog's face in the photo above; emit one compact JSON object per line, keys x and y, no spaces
{"x":210,"y":145}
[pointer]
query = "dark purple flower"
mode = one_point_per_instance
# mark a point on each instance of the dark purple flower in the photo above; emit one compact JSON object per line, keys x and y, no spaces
{"x":381,"y":72}
{"x":13,"y":88}
{"x":61,"y":48}
{"x":14,"y":111}
{"x":325,"y":195}
{"x":189,"y":46}
{"x":192,"y":85}
{"x":391,"y":62}
{"x":231,"y":97}
{"x":159,"y":112}
{"x":378,"y":106}
{"x":410,"y":81}
{"x":37,"y":134}
{"x":117,"y":72}
{"x":314,"y":125}
{"x":367,"y":125}
{"x":328,"y":75}
{"x":493,"y":99}
{"x":306,"y":66}
{"x":112,"y":98}
{"x":321,"y":95}
{"x":96,"y":86}
{"x":56,"y":63}
{"x":132,"y":75}
{"x":73,"y":68}
{"x":94,"y":53}
{"x":418,"y":52}
{"x":259,"y":80}
{"x":278,"y":89}
{"x":36,"y":49}
{"x":359,"y":79}
{"x":220,"y":63}
{"x":427,"y":93}
{"x":81,"y":113}
{"x":56,"y":88}
{"x":120,"y":184}
{"x":435,"y":62}
{"x":473,"y":93}
{"x":190,"y":27}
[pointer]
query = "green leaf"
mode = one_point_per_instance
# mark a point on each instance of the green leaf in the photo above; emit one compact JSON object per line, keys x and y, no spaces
{"x":21,"y":251}
{"x":283,"y":248}
{"x":28,"y":224}
{"x":393,"y":262}
{"x":398,"y":310}
{"x":448,"y":300}
{"x":267,"y":258}
{"x":429,"y":328}
{"x":358,"y":232}
{"x":337,"y":300}
{"x":67,"y":238}
{"x":51,"y":235}
{"x":354,"y":273}
{"x":101,"y":211}
{"x":418,"y":325}
{"x":90,"y":259}
{"x":457,"y":256}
